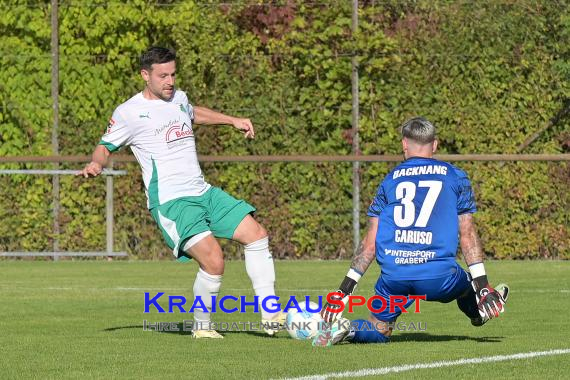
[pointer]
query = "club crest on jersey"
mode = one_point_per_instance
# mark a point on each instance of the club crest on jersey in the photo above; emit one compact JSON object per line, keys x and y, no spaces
{"x":176,"y":135}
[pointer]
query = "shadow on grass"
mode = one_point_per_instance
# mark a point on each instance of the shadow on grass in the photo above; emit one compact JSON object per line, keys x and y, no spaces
{"x":123,"y":327}
{"x":182,"y":328}
{"x":425,"y":337}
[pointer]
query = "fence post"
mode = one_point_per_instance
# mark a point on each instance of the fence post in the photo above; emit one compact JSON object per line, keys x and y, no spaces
{"x":109,"y":210}
{"x":55,"y":128}
{"x":355,"y":142}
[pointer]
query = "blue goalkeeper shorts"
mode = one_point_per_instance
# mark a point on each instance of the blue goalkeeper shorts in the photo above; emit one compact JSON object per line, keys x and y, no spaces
{"x":443,"y":289}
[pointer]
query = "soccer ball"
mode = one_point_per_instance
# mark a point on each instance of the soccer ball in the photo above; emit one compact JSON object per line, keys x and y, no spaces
{"x":303,"y":325}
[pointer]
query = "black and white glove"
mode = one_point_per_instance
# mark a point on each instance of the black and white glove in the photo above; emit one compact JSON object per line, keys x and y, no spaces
{"x":489,"y":301}
{"x":338,"y":300}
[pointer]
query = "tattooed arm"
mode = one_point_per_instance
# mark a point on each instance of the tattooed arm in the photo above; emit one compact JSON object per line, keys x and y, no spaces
{"x":366,"y":251}
{"x":364,"y":256}
{"x":469,"y":240}
{"x":489,"y":302}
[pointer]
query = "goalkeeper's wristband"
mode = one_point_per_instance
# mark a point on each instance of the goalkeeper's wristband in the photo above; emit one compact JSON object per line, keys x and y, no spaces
{"x":479,"y":276}
{"x":350,"y":281}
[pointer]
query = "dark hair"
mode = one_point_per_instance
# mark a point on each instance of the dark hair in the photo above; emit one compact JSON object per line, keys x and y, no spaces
{"x":419,"y":130}
{"x":156,"y":54}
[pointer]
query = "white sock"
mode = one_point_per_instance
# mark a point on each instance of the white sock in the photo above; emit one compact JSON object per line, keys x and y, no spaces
{"x":206,"y":285}
{"x":260,"y":269}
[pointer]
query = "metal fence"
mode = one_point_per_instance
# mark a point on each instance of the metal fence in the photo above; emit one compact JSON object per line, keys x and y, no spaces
{"x":109,"y":222}
{"x":110,"y":173}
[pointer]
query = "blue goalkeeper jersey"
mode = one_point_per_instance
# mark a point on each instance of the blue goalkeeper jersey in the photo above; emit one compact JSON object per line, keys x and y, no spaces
{"x":417,"y":206}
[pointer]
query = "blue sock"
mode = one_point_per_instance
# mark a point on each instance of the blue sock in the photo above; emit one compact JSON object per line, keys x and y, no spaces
{"x":365,"y":332}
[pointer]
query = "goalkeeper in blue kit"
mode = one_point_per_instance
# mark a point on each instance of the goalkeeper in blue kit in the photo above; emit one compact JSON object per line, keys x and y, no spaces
{"x":421,"y":209}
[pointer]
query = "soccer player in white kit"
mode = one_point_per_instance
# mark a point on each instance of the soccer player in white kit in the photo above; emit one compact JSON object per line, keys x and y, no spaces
{"x":157,"y":124}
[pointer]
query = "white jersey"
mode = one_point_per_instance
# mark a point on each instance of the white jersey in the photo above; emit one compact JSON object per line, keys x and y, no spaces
{"x":161,"y":137}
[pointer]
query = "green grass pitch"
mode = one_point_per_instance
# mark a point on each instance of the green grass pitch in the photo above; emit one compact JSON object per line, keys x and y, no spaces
{"x":84,"y":319}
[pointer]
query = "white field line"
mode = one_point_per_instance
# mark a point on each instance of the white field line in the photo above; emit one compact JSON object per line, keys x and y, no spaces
{"x":439,"y":364}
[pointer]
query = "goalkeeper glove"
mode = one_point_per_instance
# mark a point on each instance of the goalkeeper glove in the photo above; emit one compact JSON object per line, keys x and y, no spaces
{"x":489,"y":302}
{"x":333,"y":309}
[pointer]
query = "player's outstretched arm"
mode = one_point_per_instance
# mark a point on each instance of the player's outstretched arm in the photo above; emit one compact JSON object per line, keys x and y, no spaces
{"x":363,"y":258}
{"x":203,"y":115}
{"x":489,"y":301}
{"x":99,"y":160}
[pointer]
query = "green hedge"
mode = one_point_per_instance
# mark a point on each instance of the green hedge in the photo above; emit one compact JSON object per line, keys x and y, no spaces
{"x":488,"y":74}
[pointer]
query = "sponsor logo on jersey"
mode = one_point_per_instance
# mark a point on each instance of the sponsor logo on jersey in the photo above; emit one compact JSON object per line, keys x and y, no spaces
{"x":110,"y":125}
{"x":144,"y":116}
{"x":177,"y":134}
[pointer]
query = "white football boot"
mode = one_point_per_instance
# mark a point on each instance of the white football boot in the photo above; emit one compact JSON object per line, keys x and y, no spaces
{"x":273,"y":325}
{"x":206,"y":334}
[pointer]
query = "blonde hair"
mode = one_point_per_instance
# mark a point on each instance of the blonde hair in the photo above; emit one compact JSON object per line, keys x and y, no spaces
{"x":418,"y":129}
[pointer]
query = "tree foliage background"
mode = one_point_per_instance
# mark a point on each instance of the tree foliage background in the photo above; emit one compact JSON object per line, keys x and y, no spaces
{"x":488,"y":74}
